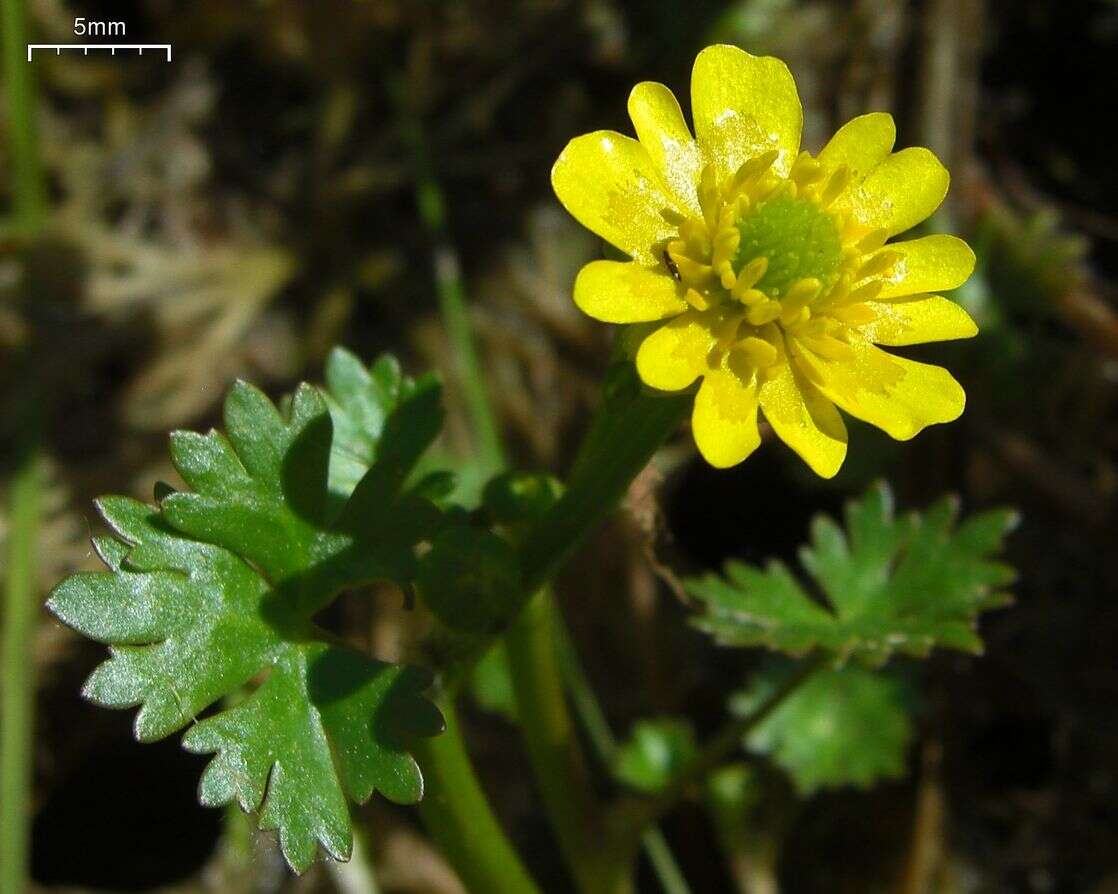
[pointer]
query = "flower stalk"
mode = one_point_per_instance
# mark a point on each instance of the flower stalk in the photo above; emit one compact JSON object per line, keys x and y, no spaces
{"x":457,"y":813}
{"x":553,"y":748}
{"x":454,"y":808}
{"x":605,"y":746}
{"x":562,"y":775}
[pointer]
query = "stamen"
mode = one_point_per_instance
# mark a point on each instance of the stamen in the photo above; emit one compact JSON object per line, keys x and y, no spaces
{"x":872,"y":241}
{"x":839,"y":291}
{"x":766,"y":191}
{"x":748,"y":297}
{"x":829,"y":347}
{"x":757,"y":352}
{"x":802,"y":293}
{"x":764,"y":312}
{"x":709,"y":199}
{"x":736,"y":206}
{"x":852,"y":232}
{"x":806,"y":170}
{"x":726,"y":332}
{"x":727,"y":216}
{"x":691,"y":270}
{"x":696,"y":300}
{"x":726,"y":246}
{"x":865,"y":292}
{"x":838,"y":182}
{"x":678,"y":247}
{"x":750,"y":274}
{"x":726,"y":275}
{"x":752,"y":209}
{"x":817,"y":326}
{"x":881,"y":262}
{"x":804,"y":364}
{"x":855,"y":314}
{"x":755,"y":167}
{"x":794,"y":316}
{"x":694,"y":232}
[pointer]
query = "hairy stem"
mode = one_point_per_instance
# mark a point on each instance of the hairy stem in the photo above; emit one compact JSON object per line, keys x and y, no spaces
{"x":457,"y":814}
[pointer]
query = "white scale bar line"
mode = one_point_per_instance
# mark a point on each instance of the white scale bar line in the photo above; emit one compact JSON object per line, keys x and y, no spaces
{"x":112,"y":48}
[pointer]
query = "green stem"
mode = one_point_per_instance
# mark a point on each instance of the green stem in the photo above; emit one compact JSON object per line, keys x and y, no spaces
{"x":604,"y":743}
{"x":17,"y":707}
{"x":457,"y":814}
{"x":751,"y":850}
{"x":663,"y":863}
{"x":455,"y":809}
{"x":536,"y":667}
{"x":720,"y":748}
{"x":553,"y":750}
{"x":451,"y":292}
{"x":552,"y":745}
{"x":29,"y":195}
{"x":17,"y":685}
{"x":629,"y":428}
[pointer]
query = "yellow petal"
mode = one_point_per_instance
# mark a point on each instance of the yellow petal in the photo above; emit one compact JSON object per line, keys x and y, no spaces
{"x":724,"y":420}
{"x":673,"y":356}
{"x":619,"y":292}
{"x":743,"y":106}
{"x":664,"y":134}
{"x":610,"y":185}
{"x":900,"y":192}
{"x":805,"y":420}
{"x":928,"y":264}
{"x":925,"y":318}
{"x":898,"y":395}
{"x":861,"y":144}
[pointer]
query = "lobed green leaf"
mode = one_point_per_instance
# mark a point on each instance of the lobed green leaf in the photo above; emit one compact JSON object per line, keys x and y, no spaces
{"x":847,"y":726}
{"x":215,"y":590}
{"x":885,"y":584}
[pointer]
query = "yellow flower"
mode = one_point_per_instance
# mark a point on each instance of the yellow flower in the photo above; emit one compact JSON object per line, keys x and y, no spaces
{"x":769,"y":266}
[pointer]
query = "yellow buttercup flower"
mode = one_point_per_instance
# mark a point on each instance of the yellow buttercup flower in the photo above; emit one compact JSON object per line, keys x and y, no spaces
{"x":769,"y":266}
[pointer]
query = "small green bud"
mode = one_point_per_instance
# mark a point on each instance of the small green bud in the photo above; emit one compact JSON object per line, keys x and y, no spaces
{"x":470,"y":579}
{"x":518,"y":497}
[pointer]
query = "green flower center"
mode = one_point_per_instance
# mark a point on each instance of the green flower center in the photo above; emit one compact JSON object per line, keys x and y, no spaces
{"x":799,"y":239}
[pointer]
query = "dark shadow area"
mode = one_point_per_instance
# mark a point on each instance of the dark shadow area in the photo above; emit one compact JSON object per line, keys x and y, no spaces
{"x":126,"y":818}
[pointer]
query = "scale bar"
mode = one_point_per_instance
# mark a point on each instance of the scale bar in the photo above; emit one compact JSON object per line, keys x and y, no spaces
{"x":112,"y":47}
